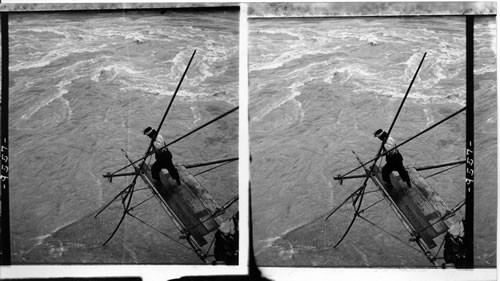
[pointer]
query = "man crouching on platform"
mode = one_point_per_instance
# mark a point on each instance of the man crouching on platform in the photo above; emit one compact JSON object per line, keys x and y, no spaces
{"x":393,"y":159}
{"x":162,"y":155}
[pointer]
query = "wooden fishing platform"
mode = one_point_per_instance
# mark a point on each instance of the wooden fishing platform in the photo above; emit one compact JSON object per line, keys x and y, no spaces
{"x":420,"y":206}
{"x":189,"y":205}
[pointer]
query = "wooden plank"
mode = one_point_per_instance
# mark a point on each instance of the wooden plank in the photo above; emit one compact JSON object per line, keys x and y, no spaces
{"x":432,"y":197}
{"x":377,"y":180}
{"x":427,"y":200}
{"x":146,"y":176}
{"x":414,"y":215}
{"x":188,"y":202}
{"x":199,"y":191}
{"x":182,"y":202}
{"x":175,"y":201}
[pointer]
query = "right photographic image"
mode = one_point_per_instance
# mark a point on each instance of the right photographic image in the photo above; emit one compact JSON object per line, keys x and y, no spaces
{"x":360,"y":152}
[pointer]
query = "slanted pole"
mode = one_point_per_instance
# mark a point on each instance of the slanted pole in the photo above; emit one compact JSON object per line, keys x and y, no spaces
{"x":211,"y":169}
{"x":344,"y":202}
{"x":442,"y":171}
{"x":219,"y":212}
{"x":119,"y":175}
{"x":166,"y":111}
{"x":178,"y":139}
{"x":125,"y":190}
{"x":175,"y":94}
{"x":359,"y":198}
{"x":429,"y":167}
{"x":397,"y":115}
{"x":130,"y":189}
{"x":404,"y":99}
{"x":394,"y":119}
{"x":422,"y":168}
{"x":402,"y":143}
{"x":125,"y":211}
{"x":207,"y":163}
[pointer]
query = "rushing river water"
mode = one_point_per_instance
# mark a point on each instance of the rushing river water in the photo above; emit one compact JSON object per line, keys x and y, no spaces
{"x":84,"y":85}
{"x":319,"y":88}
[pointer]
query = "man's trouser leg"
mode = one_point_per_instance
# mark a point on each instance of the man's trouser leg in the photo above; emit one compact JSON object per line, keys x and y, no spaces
{"x":401,"y":169}
{"x":174,"y":174}
{"x":386,"y":173}
{"x":155,"y":171}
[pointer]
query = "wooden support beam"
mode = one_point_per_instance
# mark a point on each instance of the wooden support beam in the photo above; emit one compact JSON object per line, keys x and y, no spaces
{"x":421,"y":168}
{"x":201,"y":164}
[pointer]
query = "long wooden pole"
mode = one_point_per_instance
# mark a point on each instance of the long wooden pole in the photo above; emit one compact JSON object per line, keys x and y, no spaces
{"x":404,"y":99}
{"x":174,"y":141}
{"x":219,"y":212}
{"x":404,"y":142}
{"x":422,"y":168}
{"x":168,"y":108}
{"x":187,"y":166}
{"x":397,"y":115}
{"x":130,"y":190}
{"x":359,"y":198}
{"x":173,"y":96}
{"x":201,"y":164}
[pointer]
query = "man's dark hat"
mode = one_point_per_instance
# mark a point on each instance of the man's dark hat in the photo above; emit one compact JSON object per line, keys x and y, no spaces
{"x":378,"y":133}
{"x":148,"y":131}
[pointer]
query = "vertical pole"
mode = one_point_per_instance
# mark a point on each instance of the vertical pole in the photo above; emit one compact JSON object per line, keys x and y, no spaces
{"x":4,"y":147}
{"x":469,"y":151}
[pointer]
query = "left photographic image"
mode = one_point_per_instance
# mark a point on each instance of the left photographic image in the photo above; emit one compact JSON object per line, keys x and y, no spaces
{"x":123,"y":136}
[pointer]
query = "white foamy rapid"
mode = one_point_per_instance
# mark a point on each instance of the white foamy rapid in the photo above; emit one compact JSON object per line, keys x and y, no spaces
{"x":359,"y":56}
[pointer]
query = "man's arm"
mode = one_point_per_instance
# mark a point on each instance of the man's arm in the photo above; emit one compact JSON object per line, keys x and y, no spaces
{"x":389,"y":144}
